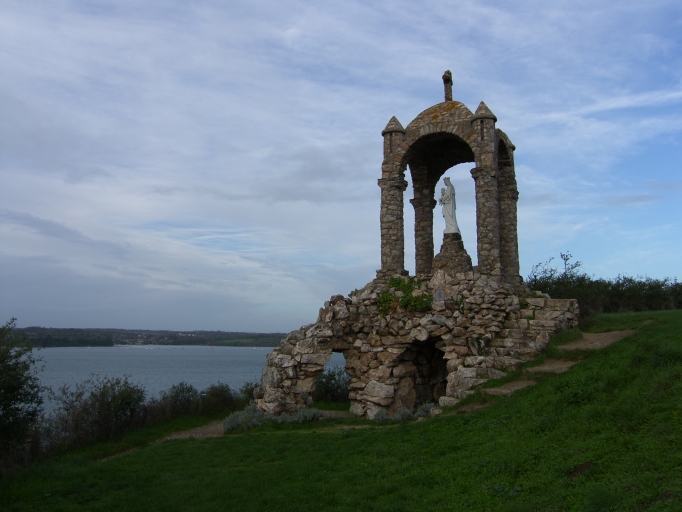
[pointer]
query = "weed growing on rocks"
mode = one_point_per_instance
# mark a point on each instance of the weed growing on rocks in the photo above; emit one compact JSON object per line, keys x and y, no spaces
{"x":401,"y":290}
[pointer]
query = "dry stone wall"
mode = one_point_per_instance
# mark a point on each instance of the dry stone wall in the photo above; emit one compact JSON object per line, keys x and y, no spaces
{"x":462,"y":325}
{"x":475,"y":329}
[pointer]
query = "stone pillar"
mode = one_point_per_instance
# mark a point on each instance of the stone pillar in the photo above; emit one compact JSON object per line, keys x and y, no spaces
{"x":391,"y":219}
{"x":424,"y":204}
{"x":487,"y":199}
{"x":392,"y":226}
{"x":487,"y":220}
{"x":509,"y":243}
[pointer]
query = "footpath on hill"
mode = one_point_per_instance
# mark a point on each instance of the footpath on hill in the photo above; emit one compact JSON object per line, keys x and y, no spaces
{"x":588,"y":341}
{"x":600,"y":429}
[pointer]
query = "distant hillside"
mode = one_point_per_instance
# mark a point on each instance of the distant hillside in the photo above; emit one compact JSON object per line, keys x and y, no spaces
{"x":54,"y":337}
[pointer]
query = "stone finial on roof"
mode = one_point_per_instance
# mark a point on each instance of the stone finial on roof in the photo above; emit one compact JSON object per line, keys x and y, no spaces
{"x":483,"y":112}
{"x":393,"y":126}
{"x":447,"y":83}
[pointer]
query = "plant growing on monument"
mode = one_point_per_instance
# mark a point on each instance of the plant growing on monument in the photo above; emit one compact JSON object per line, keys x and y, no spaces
{"x":407,"y":301}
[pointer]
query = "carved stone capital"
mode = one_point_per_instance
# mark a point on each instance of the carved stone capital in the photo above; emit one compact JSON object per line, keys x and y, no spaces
{"x":482,"y":172}
{"x":392,"y":183}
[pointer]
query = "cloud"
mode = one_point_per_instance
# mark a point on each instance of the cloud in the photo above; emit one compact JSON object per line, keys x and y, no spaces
{"x":223,"y":158}
{"x":631,"y":200}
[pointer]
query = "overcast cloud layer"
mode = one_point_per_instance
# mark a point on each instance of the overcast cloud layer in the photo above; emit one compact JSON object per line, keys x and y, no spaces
{"x":213,"y":165}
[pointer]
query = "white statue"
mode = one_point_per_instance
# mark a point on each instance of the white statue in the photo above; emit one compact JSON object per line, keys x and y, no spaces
{"x":447,"y":199}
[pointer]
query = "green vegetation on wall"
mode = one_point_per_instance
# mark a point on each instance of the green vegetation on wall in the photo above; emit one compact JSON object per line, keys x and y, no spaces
{"x":407,"y":301}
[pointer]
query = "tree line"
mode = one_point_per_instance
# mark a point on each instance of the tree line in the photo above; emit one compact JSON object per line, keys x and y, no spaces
{"x":57,"y":337}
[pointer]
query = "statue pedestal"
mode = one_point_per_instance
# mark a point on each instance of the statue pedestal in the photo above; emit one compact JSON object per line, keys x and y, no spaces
{"x":452,"y":257}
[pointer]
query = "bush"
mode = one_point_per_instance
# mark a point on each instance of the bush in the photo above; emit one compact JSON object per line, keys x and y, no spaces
{"x":251,"y":417}
{"x":619,"y":295}
{"x":381,"y":416}
{"x":403,"y":415}
{"x":332,"y":386}
{"x":424,"y":410}
{"x":407,"y":301}
{"x":20,"y":396}
{"x":98,"y":409}
{"x":182,"y":399}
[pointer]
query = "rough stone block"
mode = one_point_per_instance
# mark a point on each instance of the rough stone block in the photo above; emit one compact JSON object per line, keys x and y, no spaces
{"x":317,"y":359}
{"x":357,"y":408}
{"x":543,"y":325}
{"x":419,"y":333}
{"x":541,"y":314}
{"x":563,"y":304}
{"x":377,"y":389}
{"x":270,"y":378}
{"x":448,"y":401}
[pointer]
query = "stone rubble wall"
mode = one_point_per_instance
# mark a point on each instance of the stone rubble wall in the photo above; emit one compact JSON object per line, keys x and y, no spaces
{"x":479,"y":331}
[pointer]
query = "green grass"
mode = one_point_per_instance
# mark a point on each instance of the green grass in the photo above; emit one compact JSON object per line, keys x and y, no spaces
{"x":606,"y":435}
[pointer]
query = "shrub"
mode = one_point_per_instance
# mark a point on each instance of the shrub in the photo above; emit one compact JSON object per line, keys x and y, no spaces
{"x":602,"y":295}
{"x":251,"y":417}
{"x":20,"y":396}
{"x":332,"y":386}
{"x":424,"y":409}
{"x":381,"y":416}
{"x":403,"y":415}
{"x":182,"y":399}
{"x":407,"y":301}
{"x":98,"y":409}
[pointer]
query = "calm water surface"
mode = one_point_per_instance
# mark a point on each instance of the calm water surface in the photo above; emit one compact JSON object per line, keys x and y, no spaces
{"x":157,"y":368}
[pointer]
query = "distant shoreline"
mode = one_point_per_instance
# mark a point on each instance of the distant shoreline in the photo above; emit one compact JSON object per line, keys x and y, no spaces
{"x":57,"y":337}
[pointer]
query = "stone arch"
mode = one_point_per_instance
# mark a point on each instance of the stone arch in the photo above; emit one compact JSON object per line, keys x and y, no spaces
{"x":441,"y":136}
{"x":428,"y":158}
{"x":292,"y":370}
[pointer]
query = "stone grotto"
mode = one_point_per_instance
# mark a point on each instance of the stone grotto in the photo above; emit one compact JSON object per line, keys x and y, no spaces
{"x":435,"y":336}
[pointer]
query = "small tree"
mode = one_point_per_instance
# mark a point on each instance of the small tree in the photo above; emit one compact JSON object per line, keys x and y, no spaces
{"x":20,"y":390}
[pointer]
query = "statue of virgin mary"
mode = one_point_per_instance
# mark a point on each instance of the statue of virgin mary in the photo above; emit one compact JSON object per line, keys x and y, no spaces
{"x":447,"y":199}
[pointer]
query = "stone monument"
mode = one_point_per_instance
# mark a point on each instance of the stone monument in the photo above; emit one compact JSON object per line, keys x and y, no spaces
{"x":435,"y":336}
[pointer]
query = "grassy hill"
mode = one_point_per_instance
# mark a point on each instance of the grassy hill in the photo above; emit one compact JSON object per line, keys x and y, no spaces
{"x":605,"y":435}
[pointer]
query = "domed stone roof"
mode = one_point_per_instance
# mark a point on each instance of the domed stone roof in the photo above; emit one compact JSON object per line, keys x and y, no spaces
{"x":446,"y":112}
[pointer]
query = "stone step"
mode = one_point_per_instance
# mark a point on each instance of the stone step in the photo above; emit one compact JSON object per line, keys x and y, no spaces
{"x":552,"y":366}
{"x":508,"y":388}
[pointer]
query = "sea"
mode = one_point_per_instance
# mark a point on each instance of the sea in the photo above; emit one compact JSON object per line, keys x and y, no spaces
{"x":155,"y":367}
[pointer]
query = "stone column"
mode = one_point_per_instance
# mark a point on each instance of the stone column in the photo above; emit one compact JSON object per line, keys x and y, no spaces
{"x":509,"y":243}
{"x":393,"y":186}
{"x":487,"y":199}
{"x":423,"y":229}
{"x":487,"y":220}
{"x":392,"y":226}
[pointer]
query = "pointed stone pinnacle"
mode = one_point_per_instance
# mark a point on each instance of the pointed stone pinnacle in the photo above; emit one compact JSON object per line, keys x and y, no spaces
{"x":393,"y":126}
{"x":483,"y":112}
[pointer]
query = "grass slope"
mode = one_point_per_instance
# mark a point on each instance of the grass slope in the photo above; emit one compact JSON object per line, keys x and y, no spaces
{"x":606,"y":435}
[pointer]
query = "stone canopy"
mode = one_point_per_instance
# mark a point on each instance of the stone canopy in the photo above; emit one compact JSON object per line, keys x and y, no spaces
{"x":435,"y":336}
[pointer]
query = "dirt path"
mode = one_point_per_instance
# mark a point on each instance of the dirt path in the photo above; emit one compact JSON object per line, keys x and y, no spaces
{"x":591,"y":341}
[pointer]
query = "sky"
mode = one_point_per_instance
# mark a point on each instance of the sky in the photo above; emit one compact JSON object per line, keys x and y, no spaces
{"x":212,"y":165}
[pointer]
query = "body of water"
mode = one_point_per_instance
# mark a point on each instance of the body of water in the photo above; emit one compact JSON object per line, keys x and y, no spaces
{"x":156,"y":368}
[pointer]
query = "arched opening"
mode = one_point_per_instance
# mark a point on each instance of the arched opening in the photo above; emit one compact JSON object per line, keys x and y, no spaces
{"x":331,"y":384}
{"x":428,"y":158}
{"x":431,"y":372}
